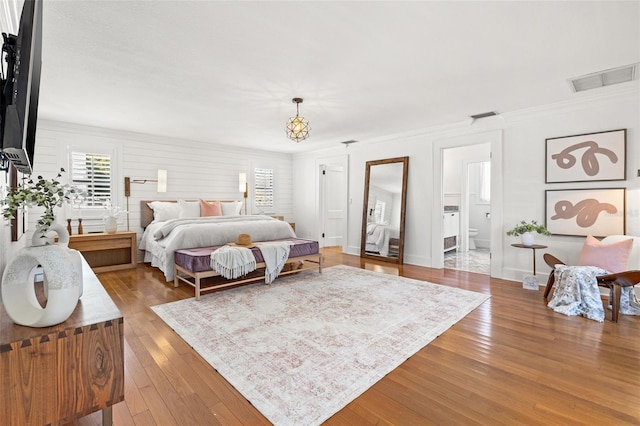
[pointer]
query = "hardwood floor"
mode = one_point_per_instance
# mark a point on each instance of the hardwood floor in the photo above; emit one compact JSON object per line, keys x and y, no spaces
{"x":510,"y":361}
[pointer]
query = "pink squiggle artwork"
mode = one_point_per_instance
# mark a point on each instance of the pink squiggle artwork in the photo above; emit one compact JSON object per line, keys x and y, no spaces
{"x":565,"y":160}
{"x":586,"y":211}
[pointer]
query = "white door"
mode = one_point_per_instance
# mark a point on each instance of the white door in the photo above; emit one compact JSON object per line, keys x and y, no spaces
{"x":333,"y":205}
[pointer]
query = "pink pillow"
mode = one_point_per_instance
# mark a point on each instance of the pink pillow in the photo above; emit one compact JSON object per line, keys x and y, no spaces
{"x":210,"y":209}
{"x":613,"y":257}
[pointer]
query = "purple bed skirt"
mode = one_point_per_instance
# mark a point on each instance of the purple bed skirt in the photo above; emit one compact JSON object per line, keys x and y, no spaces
{"x":199,"y":259}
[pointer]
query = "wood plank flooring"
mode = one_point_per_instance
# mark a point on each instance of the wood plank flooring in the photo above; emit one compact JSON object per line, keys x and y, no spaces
{"x":511,"y":361}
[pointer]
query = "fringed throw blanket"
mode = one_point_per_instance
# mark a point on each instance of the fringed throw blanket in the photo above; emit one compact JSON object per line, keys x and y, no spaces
{"x":577,"y":293}
{"x":275,"y":255}
{"x":233,"y":262}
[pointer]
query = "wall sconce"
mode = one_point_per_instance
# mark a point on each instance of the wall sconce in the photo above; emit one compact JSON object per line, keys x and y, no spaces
{"x":161,"y":186}
{"x":243,"y":186}
{"x":162,"y":181}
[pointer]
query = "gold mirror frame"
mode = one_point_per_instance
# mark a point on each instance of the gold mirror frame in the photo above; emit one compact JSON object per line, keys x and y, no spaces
{"x":369,"y":211}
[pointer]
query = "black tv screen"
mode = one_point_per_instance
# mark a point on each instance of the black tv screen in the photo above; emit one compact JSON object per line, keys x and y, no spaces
{"x":21,"y":87}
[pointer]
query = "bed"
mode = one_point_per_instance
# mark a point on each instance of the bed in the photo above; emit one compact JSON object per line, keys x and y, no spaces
{"x":382,"y":239}
{"x":194,"y":265}
{"x":172,"y":226}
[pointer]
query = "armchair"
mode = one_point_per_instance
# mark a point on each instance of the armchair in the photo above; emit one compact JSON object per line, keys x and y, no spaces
{"x":614,"y":281}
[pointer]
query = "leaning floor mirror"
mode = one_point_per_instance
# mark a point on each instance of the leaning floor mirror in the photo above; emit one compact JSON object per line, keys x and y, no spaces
{"x":385,"y":200}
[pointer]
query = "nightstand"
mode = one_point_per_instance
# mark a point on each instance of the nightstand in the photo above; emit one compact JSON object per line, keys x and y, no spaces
{"x":293,"y":224}
{"x":107,"y":252}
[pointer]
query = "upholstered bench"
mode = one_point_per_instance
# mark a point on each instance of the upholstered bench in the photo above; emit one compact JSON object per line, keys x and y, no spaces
{"x":193,"y":265}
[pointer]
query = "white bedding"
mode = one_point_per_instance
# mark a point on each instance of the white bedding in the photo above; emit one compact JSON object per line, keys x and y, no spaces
{"x":378,"y":238}
{"x":161,"y":240}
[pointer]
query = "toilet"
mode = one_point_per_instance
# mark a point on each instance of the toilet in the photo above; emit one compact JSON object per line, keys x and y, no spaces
{"x":473,"y":233}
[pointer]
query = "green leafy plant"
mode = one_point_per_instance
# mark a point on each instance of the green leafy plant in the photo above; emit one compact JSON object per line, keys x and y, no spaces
{"x":39,"y":192}
{"x":532,"y":226}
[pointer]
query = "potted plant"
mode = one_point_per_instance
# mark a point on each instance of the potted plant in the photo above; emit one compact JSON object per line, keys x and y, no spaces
{"x":47,"y":193}
{"x":526,"y":229}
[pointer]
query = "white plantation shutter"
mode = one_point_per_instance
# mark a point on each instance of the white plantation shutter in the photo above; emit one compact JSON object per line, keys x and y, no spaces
{"x":264,"y":188}
{"x":92,"y":173}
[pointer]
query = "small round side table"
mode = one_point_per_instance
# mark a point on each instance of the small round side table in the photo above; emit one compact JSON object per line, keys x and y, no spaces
{"x":532,"y":247}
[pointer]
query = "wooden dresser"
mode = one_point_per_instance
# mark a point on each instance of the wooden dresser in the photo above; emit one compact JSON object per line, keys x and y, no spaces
{"x":107,"y":252}
{"x":54,"y":375}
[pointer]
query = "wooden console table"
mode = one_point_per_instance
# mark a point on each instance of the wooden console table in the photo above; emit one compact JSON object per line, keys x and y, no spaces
{"x":54,"y":375}
{"x":107,"y":252}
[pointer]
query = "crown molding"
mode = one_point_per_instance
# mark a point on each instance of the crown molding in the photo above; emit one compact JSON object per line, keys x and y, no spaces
{"x":579,"y":101}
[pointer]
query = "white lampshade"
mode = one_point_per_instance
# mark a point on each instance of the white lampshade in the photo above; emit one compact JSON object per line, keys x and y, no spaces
{"x":162,"y":181}
{"x":242,"y":182}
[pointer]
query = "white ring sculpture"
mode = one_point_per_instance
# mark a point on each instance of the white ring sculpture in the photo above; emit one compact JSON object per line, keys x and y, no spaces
{"x":62,"y":270}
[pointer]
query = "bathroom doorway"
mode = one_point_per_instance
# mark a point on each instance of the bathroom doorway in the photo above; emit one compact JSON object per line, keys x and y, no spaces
{"x":467,"y":188}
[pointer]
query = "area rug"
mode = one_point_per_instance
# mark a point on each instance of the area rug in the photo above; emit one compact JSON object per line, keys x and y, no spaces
{"x":305,"y":346}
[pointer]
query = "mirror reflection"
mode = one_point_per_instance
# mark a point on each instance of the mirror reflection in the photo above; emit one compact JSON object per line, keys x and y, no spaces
{"x":384,"y":209}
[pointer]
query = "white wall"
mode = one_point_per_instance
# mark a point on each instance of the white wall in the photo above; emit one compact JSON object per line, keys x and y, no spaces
{"x":195,"y":170}
{"x":523,"y":183}
{"x":211,"y":171}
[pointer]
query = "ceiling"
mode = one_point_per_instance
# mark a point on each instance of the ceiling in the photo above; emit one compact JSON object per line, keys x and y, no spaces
{"x":225,"y":71}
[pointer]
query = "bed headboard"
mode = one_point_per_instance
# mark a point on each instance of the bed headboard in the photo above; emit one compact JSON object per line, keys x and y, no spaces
{"x":146,"y":213}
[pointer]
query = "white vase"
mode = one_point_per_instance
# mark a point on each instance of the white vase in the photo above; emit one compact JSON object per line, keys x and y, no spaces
{"x":62,"y":274}
{"x":527,"y":239}
{"x":110,"y":225}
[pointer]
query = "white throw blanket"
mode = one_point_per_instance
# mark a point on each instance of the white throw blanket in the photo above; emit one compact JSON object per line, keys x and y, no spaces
{"x":275,"y":255}
{"x":577,"y":293}
{"x":233,"y":262}
{"x":628,"y":301}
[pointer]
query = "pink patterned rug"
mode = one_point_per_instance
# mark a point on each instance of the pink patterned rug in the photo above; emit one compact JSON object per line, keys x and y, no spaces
{"x":305,"y":346}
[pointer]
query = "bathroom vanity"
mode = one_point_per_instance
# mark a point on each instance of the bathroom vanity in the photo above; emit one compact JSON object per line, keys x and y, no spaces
{"x":451,"y":228}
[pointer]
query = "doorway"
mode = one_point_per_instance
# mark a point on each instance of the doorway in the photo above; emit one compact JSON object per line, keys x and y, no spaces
{"x":332,"y":202}
{"x":466,"y":189}
{"x":466,"y":150}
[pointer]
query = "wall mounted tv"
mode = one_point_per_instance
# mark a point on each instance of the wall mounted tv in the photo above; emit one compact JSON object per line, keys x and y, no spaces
{"x":21,"y":87}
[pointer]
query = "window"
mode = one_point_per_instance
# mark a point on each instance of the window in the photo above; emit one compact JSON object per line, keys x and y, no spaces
{"x":92,"y":174}
{"x":378,"y":213}
{"x":263,"y":189}
{"x":484,"y":193}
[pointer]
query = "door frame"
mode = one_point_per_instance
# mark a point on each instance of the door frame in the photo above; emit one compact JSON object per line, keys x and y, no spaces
{"x":495,"y":138}
{"x":342,"y":161}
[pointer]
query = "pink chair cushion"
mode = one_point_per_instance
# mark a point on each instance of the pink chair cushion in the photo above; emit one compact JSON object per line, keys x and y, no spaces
{"x":613,"y":257}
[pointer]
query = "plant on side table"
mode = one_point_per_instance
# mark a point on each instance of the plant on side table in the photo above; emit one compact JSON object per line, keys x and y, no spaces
{"x":526,"y":229}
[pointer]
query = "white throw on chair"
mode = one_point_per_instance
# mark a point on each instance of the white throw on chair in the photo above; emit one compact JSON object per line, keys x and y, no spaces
{"x":609,"y":252}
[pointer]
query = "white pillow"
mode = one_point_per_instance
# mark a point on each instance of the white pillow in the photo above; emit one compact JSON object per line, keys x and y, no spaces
{"x":163,"y":210}
{"x":232,"y":208}
{"x":189,"y":208}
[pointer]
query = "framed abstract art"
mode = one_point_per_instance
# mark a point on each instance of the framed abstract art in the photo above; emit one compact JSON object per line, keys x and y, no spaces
{"x":581,"y":212}
{"x":589,"y":157}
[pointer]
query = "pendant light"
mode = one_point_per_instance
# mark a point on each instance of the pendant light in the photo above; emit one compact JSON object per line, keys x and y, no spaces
{"x":297,"y":127}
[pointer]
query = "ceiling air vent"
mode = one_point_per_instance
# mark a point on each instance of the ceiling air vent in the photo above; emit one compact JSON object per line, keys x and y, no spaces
{"x":483,"y":115}
{"x":605,"y":78}
{"x":349,"y":142}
